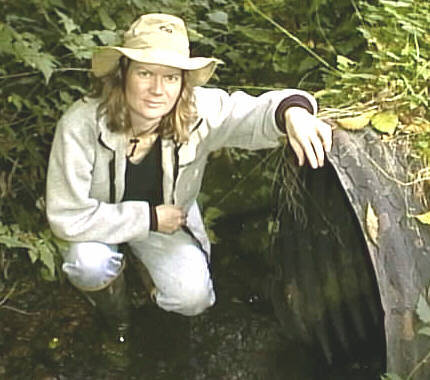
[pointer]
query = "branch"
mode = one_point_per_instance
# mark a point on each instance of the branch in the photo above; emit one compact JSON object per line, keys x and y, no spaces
{"x":418,"y":366}
{"x":35,"y":72}
{"x":394,"y":179}
{"x":8,"y":294}
{"x":19,"y":310}
{"x":293,"y":37}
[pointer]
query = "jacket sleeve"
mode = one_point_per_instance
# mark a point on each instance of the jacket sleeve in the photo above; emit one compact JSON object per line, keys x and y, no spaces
{"x":241,"y":120}
{"x":72,"y":214}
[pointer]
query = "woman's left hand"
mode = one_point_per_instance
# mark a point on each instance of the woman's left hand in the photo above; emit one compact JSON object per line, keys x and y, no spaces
{"x":309,"y":136}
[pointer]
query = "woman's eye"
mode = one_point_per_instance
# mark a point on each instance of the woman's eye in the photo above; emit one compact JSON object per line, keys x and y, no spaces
{"x":144,"y":74}
{"x":173,"y":78}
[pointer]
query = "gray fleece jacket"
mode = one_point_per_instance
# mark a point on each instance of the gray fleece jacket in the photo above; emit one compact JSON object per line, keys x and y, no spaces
{"x":86,"y":172}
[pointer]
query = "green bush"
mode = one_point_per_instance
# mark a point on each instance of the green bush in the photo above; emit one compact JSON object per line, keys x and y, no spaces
{"x":350,"y":53}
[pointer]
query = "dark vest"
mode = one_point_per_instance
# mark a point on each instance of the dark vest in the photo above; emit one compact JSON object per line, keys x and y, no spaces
{"x":143,"y":182}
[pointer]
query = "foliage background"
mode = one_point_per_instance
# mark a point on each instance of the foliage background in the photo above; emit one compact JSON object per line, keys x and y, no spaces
{"x":348,"y":52}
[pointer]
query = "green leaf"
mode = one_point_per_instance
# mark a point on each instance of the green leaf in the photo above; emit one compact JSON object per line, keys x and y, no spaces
{"x":47,"y":258}
{"x":13,"y":242}
{"x":16,"y":100}
{"x":139,"y":3}
{"x":385,"y":122}
{"x":66,"y":97}
{"x":307,"y":64}
{"x":106,"y":20}
{"x":397,"y":4}
{"x":355,"y":122}
{"x":33,"y":254}
{"x":273,"y":227}
{"x":211,"y":215}
{"x":257,"y":34}
{"x":423,"y":309}
{"x":344,"y":63}
{"x":68,"y":23}
{"x":45,"y":63}
{"x":219,"y":17}
{"x":194,"y":35}
{"x":107,"y":37}
{"x":6,"y":38}
{"x":54,"y":343}
{"x":46,"y":274}
{"x":28,"y":48}
{"x":424,"y":331}
{"x":391,"y":376}
{"x":81,"y":45}
{"x":424,"y":218}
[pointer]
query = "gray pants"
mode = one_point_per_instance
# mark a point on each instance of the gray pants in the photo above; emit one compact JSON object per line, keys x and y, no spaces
{"x":177,"y":267}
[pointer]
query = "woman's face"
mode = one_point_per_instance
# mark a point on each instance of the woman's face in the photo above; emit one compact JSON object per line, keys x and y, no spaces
{"x":151,"y":91}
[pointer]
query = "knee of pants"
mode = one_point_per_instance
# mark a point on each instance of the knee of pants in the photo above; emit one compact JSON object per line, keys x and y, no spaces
{"x":190,"y":298}
{"x":196,"y":301}
{"x":92,"y":266}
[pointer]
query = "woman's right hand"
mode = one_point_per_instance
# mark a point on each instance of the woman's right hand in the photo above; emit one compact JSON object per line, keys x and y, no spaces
{"x":170,"y":218}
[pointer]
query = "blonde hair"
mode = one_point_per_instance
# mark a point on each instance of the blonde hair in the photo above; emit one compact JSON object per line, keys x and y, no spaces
{"x":111,"y":90}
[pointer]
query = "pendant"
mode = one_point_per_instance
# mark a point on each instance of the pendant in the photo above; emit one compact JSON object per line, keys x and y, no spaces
{"x":133,"y":149}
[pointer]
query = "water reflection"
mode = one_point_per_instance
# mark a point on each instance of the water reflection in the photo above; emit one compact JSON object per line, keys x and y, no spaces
{"x":233,"y":340}
{"x":238,"y":339}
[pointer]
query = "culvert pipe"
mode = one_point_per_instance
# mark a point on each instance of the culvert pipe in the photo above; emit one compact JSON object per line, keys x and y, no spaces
{"x":351,"y":260}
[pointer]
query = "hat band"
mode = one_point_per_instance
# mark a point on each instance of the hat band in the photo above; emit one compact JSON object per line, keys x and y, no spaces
{"x":162,"y":57}
{"x":177,"y":44}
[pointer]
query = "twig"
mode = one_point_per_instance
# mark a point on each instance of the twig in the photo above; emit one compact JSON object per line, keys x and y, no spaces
{"x":236,"y":186}
{"x":30,"y":73}
{"x":293,"y":37}
{"x":394,"y":179}
{"x":357,"y":11}
{"x":7,"y":296}
{"x":263,"y":88}
{"x":19,"y":310}
{"x":418,"y":366}
{"x":17,"y":121}
{"x":60,"y":70}
{"x":328,"y":42}
{"x":20,"y":75}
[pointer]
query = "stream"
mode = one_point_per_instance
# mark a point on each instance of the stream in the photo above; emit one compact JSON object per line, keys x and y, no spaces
{"x":48,"y":331}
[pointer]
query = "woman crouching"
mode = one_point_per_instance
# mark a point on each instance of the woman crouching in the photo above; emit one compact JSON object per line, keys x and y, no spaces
{"x":126,"y":165}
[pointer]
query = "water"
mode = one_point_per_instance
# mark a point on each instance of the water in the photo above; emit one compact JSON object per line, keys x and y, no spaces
{"x":53,"y":333}
{"x":236,"y":339}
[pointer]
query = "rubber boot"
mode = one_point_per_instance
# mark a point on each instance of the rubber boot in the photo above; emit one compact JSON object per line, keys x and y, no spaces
{"x":146,"y":279}
{"x":113,"y":306}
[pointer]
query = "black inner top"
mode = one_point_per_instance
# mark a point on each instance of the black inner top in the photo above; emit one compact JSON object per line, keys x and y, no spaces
{"x":143,"y":182}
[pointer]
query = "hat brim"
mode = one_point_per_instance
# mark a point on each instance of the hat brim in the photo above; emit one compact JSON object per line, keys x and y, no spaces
{"x":106,"y":59}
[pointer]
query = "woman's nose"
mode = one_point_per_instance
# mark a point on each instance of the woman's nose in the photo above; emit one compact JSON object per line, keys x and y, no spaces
{"x":157,"y":85}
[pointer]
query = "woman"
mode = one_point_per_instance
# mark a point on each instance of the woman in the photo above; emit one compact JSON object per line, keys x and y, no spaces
{"x":126,"y":166}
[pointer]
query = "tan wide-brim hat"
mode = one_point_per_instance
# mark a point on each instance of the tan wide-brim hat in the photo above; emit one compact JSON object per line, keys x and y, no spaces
{"x":158,"y":39}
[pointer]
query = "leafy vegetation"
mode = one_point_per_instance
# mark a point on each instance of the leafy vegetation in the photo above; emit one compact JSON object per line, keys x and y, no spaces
{"x":45,"y":46}
{"x":366,"y":61}
{"x":423,"y":313}
{"x":390,"y":80}
{"x":358,"y":57}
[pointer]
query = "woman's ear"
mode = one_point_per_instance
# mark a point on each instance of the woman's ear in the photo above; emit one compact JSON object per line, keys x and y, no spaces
{"x":124,"y":64}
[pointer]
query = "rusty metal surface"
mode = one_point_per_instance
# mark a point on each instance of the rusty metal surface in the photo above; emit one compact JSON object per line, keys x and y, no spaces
{"x":372,"y":172}
{"x":325,"y":293}
{"x":335,"y":281}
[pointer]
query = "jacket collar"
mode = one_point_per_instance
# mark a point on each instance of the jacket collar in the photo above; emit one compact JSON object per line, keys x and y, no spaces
{"x":111,"y":140}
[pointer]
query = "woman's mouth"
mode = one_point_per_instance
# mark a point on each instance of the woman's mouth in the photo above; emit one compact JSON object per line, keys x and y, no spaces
{"x":153,"y":104}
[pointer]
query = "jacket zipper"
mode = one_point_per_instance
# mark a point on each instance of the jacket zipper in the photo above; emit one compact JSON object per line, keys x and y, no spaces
{"x":175,"y":170}
{"x":112,"y":173}
{"x":176,"y":158}
{"x":175,"y":177}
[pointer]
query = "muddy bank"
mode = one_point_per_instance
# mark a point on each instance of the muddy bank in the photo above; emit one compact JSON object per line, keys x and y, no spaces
{"x":48,"y":331}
